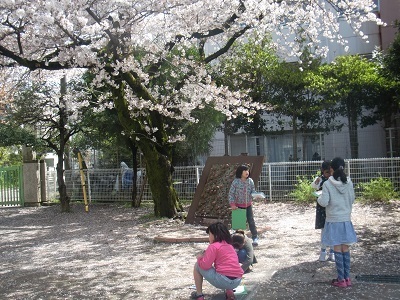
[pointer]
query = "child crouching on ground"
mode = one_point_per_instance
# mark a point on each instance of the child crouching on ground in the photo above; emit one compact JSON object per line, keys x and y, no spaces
{"x":218,"y":264}
{"x":245,"y":251}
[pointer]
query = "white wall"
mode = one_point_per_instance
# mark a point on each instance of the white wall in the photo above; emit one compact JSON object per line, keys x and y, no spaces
{"x":372,"y":143}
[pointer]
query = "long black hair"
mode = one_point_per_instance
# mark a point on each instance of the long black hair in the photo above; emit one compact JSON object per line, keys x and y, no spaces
{"x":220,"y":232}
{"x":337,"y":164}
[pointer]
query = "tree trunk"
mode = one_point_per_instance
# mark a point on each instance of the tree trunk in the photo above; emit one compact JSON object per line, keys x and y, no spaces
{"x":62,"y":188}
{"x":294,"y":136}
{"x":353,"y":138}
{"x":226,"y":133}
{"x":353,"y":128}
{"x":159,"y":174}
{"x":135,"y":200}
{"x":157,"y":156}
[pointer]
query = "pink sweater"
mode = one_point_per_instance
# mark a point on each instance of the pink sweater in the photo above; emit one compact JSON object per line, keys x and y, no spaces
{"x":224,"y":258}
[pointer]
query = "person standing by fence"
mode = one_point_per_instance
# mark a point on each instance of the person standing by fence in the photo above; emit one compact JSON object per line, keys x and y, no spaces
{"x":338,"y":197}
{"x":320,"y":214}
{"x":240,"y":197}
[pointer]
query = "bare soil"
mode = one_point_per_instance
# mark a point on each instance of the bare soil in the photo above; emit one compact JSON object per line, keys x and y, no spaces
{"x":110,"y":252}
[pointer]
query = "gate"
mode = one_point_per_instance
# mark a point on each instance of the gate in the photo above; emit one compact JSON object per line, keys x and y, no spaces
{"x":11,"y":186}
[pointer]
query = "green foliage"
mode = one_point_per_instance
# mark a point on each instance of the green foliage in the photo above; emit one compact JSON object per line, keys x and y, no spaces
{"x":11,"y":134}
{"x":352,"y":87}
{"x":350,"y":79}
{"x":303,"y":192}
{"x":392,"y":58}
{"x":10,"y":156}
{"x":391,"y":71}
{"x":378,"y":190}
{"x":198,"y":136}
{"x":255,"y":68}
{"x":246,"y":69}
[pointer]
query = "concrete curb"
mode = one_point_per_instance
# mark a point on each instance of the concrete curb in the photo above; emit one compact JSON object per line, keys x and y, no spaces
{"x":197,"y":239}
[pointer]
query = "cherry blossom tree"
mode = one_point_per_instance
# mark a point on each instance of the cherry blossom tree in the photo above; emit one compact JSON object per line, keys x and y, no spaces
{"x":126,"y":43}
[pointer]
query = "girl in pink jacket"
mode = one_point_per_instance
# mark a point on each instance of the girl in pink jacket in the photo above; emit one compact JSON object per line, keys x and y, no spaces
{"x":218,"y":264}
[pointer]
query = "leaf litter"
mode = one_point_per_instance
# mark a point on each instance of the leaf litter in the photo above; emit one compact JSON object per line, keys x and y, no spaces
{"x":110,"y":252}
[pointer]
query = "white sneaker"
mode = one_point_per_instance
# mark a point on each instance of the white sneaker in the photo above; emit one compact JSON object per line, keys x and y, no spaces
{"x":255,"y":241}
{"x":322,"y":256}
{"x":331,"y":256}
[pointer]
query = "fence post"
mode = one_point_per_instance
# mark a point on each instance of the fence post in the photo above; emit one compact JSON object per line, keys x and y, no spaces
{"x":43,"y":191}
{"x":348,"y":169}
{"x":197,"y":175}
{"x":20,"y":186}
{"x":269,"y":182}
{"x":31,"y":183}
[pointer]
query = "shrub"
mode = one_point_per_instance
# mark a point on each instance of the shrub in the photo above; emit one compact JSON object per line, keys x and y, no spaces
{"x":378,"y":190}
{"x":303,"y":192}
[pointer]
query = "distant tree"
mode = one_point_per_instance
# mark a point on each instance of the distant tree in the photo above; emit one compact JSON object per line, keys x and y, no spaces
{"x":391,"y":71}
{"x":280,"y":88}
{"x":387,"y":106}
{"x":15,"y":135}
{"x":352,"y":85}
{"x":100,"y":129}
{"x":54,"y":115}
{"x":246,"y":69}
{"x":197,"y":136}
{"x":392,"y":58}
{"x":289,"y":95}
{"x":10,"y":156}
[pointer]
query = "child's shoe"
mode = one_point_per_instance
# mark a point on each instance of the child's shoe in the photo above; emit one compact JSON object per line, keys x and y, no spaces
{"x":322,"y":256}
{"x":255,"y":241}
{"x":229,"y":295}
{"x":348,"y":281}
{"x":331,"y":256}
{"x":339,"y":283}
{"x":194,"y":295}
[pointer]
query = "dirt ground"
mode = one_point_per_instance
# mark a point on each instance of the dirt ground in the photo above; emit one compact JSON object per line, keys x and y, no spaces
{"x":110,"y":253}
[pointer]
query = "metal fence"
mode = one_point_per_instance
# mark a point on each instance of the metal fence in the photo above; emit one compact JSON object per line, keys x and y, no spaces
{"x":11,"y":182}
{"x":277,"y":180}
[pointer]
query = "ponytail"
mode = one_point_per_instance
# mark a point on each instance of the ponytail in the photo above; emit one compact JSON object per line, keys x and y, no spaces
{"x":337,"y":164}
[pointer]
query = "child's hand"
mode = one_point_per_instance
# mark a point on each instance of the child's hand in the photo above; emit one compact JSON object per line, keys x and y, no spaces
{"x":233,"y":207}
{"x":200,"y":254}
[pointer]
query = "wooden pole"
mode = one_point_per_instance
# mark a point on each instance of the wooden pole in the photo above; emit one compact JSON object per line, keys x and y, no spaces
{"x":83,"y":181}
